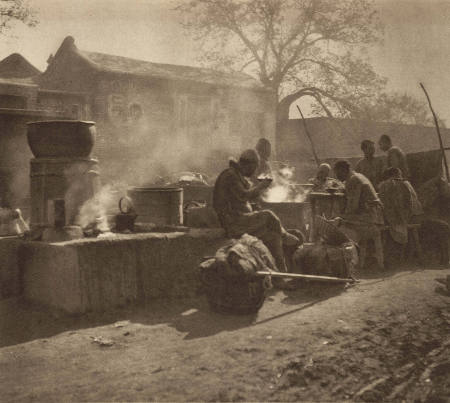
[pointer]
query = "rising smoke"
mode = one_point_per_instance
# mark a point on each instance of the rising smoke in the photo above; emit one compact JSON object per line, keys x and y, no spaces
{"x":197,"y":134}
{"x":148,"y":156}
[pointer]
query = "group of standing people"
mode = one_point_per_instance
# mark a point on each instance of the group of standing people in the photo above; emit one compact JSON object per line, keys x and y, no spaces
{"x":378,"y":195}
{"x":379,"y":198}
{"x":368,"y":188}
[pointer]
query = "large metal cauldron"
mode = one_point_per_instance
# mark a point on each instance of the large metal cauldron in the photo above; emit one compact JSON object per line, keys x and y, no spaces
{"x":61,"y":138}
{"x":293,"y":215}
{"x":158,"y":205}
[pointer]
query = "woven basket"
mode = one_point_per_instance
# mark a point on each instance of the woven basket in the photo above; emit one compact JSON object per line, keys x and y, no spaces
{"x":329,"y":232}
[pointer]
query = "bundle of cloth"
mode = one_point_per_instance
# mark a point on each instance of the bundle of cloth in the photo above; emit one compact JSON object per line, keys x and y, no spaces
{"x":229,"y":278}
{"x":12,"y":222}
{"x":182,"y":178}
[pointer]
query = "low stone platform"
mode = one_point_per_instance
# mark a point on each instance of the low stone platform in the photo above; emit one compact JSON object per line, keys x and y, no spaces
{"x":9,"y":268}
{"x":107,"y":272}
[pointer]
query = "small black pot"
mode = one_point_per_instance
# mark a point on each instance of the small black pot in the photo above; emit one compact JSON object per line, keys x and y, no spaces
{"x":125,"y":220}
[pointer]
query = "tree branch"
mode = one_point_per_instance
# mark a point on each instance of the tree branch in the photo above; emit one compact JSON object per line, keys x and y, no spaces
{"x":325,"y":65}
{"x":317,"y":93}
{"x":247,"y":64}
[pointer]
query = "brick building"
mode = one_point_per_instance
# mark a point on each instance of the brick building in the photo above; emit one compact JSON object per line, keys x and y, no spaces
{"x":152,"y":119}
{"x":149,"y":113}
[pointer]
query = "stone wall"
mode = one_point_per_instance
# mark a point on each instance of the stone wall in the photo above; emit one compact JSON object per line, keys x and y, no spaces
{"x":99,"y":274}
{"x":10,"y":280}
{"x":341,"y":138}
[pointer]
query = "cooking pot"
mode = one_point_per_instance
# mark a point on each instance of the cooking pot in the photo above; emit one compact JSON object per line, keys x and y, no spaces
{"x":126,"y":218}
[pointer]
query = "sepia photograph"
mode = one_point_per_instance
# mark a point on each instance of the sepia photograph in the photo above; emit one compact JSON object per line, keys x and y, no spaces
{"x":225,"y":201}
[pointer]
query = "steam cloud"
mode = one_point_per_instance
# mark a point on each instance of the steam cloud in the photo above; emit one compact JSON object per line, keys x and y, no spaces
{"x":283,"y":189}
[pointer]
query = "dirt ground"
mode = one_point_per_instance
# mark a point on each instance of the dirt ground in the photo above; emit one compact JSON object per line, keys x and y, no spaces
{"x":387,"y":338}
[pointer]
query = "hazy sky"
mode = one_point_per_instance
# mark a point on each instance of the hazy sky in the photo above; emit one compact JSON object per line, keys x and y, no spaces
{"x":416,"y":45}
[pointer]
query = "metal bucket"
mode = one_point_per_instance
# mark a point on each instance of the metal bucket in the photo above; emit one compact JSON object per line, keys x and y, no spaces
{"x":158,"y":205}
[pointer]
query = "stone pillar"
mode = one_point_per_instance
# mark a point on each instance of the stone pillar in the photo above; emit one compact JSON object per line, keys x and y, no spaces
{"x":73,"y":179}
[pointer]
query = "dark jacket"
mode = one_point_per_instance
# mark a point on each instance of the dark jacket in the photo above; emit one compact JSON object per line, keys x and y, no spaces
{"x":232,"y":193}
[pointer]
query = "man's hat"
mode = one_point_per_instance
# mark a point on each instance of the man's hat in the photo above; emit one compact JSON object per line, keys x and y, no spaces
{"x":249,"y":155}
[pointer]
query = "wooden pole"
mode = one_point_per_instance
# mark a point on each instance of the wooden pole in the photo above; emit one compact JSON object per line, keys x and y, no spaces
{"x":305,"y":277}
{"x":438,"y":132}
{"x":309,"y":137}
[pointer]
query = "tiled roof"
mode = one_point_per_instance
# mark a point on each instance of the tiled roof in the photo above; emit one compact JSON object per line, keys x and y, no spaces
{"x":16,"y":66}
{"x":119,"y":64}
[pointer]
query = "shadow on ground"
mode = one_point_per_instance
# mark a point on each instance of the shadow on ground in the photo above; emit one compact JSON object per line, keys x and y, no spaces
{"x":21,"y":322}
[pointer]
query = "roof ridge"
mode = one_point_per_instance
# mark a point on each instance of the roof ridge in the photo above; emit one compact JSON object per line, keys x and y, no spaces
{"x":170,"y":65}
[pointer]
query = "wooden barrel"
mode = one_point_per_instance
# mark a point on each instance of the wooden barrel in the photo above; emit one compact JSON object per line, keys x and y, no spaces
{"x":158,"y":205}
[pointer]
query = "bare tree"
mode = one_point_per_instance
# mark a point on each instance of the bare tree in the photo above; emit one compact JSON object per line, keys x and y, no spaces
{"x":298,"y":48}
{"x":12,"y":11}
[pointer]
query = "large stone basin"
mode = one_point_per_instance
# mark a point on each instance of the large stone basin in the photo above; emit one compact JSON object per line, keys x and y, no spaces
{"x":61,"y":138}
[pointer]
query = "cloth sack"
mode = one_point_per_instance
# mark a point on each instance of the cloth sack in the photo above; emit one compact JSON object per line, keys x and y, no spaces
{"x":229,"y":277}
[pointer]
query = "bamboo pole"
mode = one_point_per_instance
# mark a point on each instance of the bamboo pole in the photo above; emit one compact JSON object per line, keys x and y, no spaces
{"x":438,"y":133}
{"x":309,"y":137}
{"x":305,"y":277}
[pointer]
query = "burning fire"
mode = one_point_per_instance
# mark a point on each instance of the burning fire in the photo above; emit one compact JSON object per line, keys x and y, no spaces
{"x":283,"y":190}
{"x":94,"y":212}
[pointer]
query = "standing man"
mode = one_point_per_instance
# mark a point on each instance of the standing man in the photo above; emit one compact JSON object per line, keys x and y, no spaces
{"x":401,"y":204}
{"x":233,"y":192}
{"x":396,"y":158}
{"x":362,"y":216}
{"x":370,"y":166}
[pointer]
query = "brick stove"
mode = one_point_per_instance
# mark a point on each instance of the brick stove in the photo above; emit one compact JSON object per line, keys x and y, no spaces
{"x":63,"y":176}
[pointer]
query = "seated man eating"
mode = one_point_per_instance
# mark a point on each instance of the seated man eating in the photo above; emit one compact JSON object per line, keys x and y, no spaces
{"x":233,"y":193}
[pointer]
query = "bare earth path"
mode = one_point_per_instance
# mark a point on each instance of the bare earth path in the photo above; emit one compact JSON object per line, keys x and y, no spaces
{"x":387,"y":338}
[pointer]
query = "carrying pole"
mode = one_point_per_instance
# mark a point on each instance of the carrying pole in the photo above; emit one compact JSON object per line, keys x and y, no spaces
{"x":309,"y":137}
{"x":438,"y":133}
{"x":305,"y":277}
